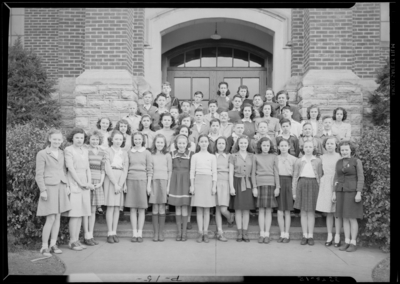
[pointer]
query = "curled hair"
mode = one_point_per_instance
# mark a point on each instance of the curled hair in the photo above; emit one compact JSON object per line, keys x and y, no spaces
{"x":97,"y":133}
{"x":209,"y":147}
{"x":74,"y":131}
{"x":271,"y":145}
{"x":143,"y":138}
{"x":159,"y":95}
{"x":124,"y":121}
{"x":176,"y":141}
{"x":273,"y":94}
{"x":344,"y":113}
{"x":185,"y":115}
{"x":215,"y":120}
{"x":262,"y":110}
{"x":110,"y":127}
{"x":215,"y":150}
{"x":352,"y":147}
{"x":279,"y":143}
{"x":51,"y":132}
{"x":141,"y":127}
{"x":309,"y":109}
{"x":283,"y":92}
{"x":284,"y":120}
{"x":113,"y":133}
{"x":252,"y":115}
{"x":227,"y":86}
{"x":330,"y":137}
{"x":314,"y":149}
{"x":244,"y":87}
{"x":153,"y":148}
{"x":178,"y":130}
{"x":235,"y":147}
{"x":161,"y":118}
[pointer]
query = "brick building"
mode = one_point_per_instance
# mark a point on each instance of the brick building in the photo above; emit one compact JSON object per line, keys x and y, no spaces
{"x":104,"y":57}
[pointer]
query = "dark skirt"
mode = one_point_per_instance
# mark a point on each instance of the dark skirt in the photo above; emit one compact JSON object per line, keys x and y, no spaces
{"x":243,"y":200}
{"x":266,"y":197}
{"x":285,"y":197}
{"x":306,"y":194}
{"x":347,"y":207}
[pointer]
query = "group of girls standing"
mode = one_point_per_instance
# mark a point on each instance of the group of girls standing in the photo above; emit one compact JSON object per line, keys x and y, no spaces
{"x":158,"y":155}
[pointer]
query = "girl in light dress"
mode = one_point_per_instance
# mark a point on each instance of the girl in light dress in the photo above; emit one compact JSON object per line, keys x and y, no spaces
{"x":339,"y":127}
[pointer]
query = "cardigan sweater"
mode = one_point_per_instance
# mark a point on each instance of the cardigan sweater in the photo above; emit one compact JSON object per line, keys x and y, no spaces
{"x":265,"y":170}
{"x":349,"y":175}
{"x":298,"y":168}
{"x":203,"y":164}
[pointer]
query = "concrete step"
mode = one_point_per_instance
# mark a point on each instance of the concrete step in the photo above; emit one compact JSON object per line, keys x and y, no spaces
{"x":170,"y":231}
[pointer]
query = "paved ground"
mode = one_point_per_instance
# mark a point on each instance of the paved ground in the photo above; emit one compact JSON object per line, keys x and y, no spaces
{"x":149,"y":260}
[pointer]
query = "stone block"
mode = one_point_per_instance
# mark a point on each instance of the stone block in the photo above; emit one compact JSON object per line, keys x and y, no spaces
{"x":66,"y":85}
{"x":356,"y":118}
{"x":83,"y":89}
{"x":306,"y":92}
{"x":67,"y":123}
{"x":292,"y":96}
{"x":82,"y":122}
{"x":120,"y":87}
{"x":95,"y":97}
{"x":67,"y":112}
{"x":87,"y":111}
{"x":349,"y":89}
{"x":329,"y":77}
{"x":80,"y":101}
{"x":110,"y":94}
{"x":119,"y":105}
{"x":332,"y":89}
{"x":294,"y":83}
{"x":98,"y":103}
{"x":105,"y":77}
{"x":129,"y":95}
{"x":67,"y":95}
{"x":67,"y":102}
{"x":307,"y":103}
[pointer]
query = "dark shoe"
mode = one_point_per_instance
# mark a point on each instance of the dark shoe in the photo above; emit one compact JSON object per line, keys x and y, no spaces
{"x":328,"y":244}
{"x":351,"y":248}
{"x":116,"y":240}
{"x":344,"y":247}
{"x":260,"y":240}
{"x":239,"y":237}
{"x":184,"y":236}
{"x":110,"y":239}
{"x":140,"y":239}
{"x":199,"y":238}
{"x":99,"y":211}
{"x":55,"y":249}
{"x":94,"y":241}
{"x":161,"y":236}
{"x":286,"y":240}
{"x":280,"y":240}
{"x":189,"y":226}
{"x":134,"y":239}
{"x":88,"y":242}
{"x":82,"y":246}
{"x":179,"y":237}
{"x":310,"y":241}
{"x":267,"y":240}
{"x":336,"y":245}
{"x":303,"y":241}
{"x":205,"y":238}
{"x":245,"y":236}
{"x":75,"y":246}
{"x":221,"y":237}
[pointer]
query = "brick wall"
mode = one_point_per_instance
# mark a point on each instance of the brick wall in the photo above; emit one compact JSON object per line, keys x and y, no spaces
{"x":71,"y":36}
{"x":366,"y":42}
{"x":41,"y":36}
{"x":384,"y":54}
{"x":297,"y":42}
{"x":138,"y":42}
{"x":306,"y":40}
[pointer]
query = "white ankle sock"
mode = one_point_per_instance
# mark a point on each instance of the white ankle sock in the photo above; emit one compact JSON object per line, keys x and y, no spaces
{"x":282,"y":234}
{"x":52,"y":242}
{"x":286,"y":235}
{"x":310,"y":235}
{"x":353,"y":242}
{"x":139,"y":233}
{"x":114,"y":233}
{"x":305,"y":235}
{"x":347,"y":241}
{"x":266,"y":234}
{"x":135,"y":234}
{"x":337,"y":238}
{"x":262,"y":234}
{"x":109,"y":233}
{"x":45,"y":245}
{"x":330,"y":237}
{"x":87,"y":235}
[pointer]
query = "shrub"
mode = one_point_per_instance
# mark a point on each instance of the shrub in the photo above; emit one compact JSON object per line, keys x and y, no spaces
{"x":374,"y":152}
{"x":22,"y":144}
{"x":29,"y":89}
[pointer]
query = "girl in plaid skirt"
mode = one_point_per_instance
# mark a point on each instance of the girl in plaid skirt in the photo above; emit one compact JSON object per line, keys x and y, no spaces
{"x":265,"y":179}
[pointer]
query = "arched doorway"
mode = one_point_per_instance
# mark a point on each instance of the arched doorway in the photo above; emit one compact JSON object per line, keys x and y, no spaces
{"x":201,"y":65}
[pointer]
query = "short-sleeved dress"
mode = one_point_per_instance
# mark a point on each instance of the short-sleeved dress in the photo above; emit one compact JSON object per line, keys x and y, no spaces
{"x":324,"y":201}
{"x":343,"y":130}
{"x":223,"y":196}
{"x":180,"y":179}
{"x":97,"y":167}
{"x":79,"y":197}
{"x":162,"y":166}
{"x":244,"y":199}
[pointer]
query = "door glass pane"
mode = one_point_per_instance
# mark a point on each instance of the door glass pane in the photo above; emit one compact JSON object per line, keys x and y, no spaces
{"x":182,"y":88}
{"x":253,"y":84}
{"x":240,"y":58}
{"x":193,"y":58}
{"x":177,"y":61}
{"x":256,"y":61}
{"x":224,"y":57}
{"x":209,"y":57}
{"x":234,"y":84}
{"x":202,"y":85}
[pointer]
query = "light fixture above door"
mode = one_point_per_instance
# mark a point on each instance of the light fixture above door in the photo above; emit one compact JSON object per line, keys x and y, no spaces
{"x":215,"y":36}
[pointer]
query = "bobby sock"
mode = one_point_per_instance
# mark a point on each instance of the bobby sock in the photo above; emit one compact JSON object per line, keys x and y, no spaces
{"x":114,"y":233}
{"x":139,"y":233}
{"x":283,"y":234}
{"x":109,"y":233}
{"x":353,"y":242}
{"x":266,"y":234}
{"x":52,"y":242}
{"x":87,"y":235}
{"x":347,"y":241}
{"x":135,"y":234}
{"x":337,"y":238}
{"x":262,"y":234}
{"x":45,"y":245}
{"x":310,"y":235}
{"x":330,"y":237}
{"x":305,"y":235}
{"x":287,"y":235}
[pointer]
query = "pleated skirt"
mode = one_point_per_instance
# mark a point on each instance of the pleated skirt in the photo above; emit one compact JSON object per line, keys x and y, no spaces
{"x":136,"y":195}
{"x":57,"y":201}
{"x":266,"y":197}
{"x":97,"y":195}
{"x":80,"y":204}
{"x":347,"y":207}
{"x":285,"y":197}
{"x":306,"y":194}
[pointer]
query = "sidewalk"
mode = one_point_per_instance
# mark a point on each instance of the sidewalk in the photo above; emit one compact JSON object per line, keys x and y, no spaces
{"x":136,"y":262}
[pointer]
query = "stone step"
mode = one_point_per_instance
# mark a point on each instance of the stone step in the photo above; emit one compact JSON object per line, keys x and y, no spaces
{"x":170,"y":230}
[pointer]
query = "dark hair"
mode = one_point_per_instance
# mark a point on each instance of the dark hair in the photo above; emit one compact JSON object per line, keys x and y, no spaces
{"x":223,"y":83}
{"x":161,"y":118}
{"x":143,"y":138}
{"x":215,"y":150}
{"x":182,"y":102}
{"x":153,"y":148}
{"x":330,"y":137}
{"x":236,"y":96}
{"x":271,"y":145}
{"x":257,"y":95}
{"x":283,"y":92}
{"x":345,"y":143}
{"x":244,"y":87}
{"x":209,"y":147}
{"x":51,"y":132}
{"x":74,"y":131}
{"x":109,"y":127}
{"x":284,"y":120}
{"x":287,"y":107}
{"x":97,"y":133}
{"x":124,"y":121}
{"x":273,"y":94}
{"x":279,"y":143}
{"x":113,"y":133}
{"x":344,"y":113}
{"x":235,"y":147}
{"x":198,"y":93}
{"x":146,"y":93}
{"x":178,"y":130}
{"x":185,"y":115}
{"x":308,"y":111}
{"x":314,"y":150}
{"x":177,"y":107}
{"x":159,"y":95}
{"x":213,"y":102}
{"x":141,"y":127}
{"x":166,"y":83}
{"x":307,"y":123}
{"x":176,"y":141}
{"x":252,"y":115}
{"x":272,"y":110}
{"x":262,"y":121}
{"x":215,"y":120}
{"x":198,"y":110}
